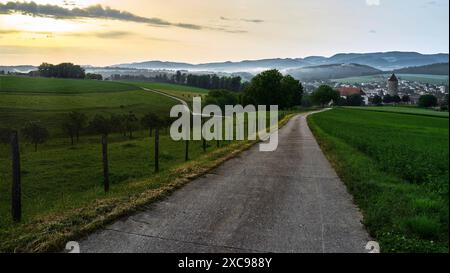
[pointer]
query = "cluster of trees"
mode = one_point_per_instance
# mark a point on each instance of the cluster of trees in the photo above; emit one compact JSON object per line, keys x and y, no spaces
{"x":272,"y":88}
{"x":93,"y":76}
{"x":427,"y":101}
{"x":212,"y":82}
{"x":63,"y":70}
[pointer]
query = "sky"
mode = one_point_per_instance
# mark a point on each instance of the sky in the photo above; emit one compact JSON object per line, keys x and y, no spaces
{"x":106,"y":32}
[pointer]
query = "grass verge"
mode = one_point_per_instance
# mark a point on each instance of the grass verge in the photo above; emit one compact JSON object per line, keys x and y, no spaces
{"x":403,"y":216}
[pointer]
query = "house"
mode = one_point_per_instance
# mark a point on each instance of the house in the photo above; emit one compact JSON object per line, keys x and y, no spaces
{"x":348,"y":91}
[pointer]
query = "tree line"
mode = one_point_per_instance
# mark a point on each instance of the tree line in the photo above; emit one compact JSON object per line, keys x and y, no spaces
{"x":64,"y":70}
{"x":75,"y":123}
{"x":207,"y":81}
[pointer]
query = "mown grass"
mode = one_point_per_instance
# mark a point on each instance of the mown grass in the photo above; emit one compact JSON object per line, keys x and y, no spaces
{"x":396,"y":167}
{"x":15,"y":84}
{"x":413,"y":110}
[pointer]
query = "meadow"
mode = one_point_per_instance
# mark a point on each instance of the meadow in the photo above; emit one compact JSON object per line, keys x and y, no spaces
{"x":25,"y":99}
{"x":412,"y":110}
{"x":396,"y":167}
{"x":422,"y":78}
{"x":185,"y":93}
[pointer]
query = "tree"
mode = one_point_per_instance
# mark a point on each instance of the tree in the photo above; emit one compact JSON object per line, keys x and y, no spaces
{"x":131,"y":123}
{"x":221,"y":98}
{"x":396,"y":99}
{"x":101,"y":125}
{"x":35,"y":133}
{"x":63,"y":70}
{"x":150,"y":121}
{"x":324,"y":95}
{"x":92,"y":76}
{"x":406,"y":99}
{"x":73,"y":123}
{"x":427,"y":101}
{"x":387,"y":99}
{"x":272,"y":88}
{"x":444,"y":103}
{"x":355,"y":100}
{"x":377,"y":100}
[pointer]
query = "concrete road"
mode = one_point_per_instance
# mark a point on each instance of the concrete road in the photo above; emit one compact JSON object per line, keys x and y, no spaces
{"x":286,"y":201}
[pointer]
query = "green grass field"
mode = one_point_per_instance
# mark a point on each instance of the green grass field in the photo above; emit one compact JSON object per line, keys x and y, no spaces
{"x":412,"y":110}
{"x":431,"y":79}
{"x":23,"y":99}
{"x":14,"y":84}
{"x":396,"y":167}
{"x":185,"y":93}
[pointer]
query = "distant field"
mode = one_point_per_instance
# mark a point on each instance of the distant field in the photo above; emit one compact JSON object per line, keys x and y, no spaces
{"x":431,"y":79}
{"x":180,"y":91}
{"x":396,"y":167}
{"x":16,"y":84}
{"x":404,"y":110}
{"x":47,"y":100}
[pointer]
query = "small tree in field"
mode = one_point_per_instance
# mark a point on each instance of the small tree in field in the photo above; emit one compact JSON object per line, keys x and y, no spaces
{"x":131,"y":123}
{"x":73,"y":123}
{"x":35,"y":133}
{"x":150,"y":121}
{"x":101,"y":125}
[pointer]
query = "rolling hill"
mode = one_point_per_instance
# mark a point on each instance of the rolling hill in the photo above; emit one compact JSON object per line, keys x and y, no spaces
{"x":332,"y":71}
{"x":432,"y":69}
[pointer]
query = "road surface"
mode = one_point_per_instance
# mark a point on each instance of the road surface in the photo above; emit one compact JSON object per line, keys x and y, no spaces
{"x":290,"y":200}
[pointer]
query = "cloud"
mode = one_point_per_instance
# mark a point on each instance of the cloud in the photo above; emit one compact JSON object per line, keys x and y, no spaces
{"x":253,"y":20}
{"x":372,"y":31}
{"x":242,"y":19}
{"x":373,"y":2}
{"x":94,"y":12}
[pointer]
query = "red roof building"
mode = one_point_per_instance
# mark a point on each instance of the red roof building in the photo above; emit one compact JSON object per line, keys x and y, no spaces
{"x":348,"y":91}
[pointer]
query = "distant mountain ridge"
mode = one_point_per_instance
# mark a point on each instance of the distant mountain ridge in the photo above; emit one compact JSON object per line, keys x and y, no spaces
{"x":386,"y":61}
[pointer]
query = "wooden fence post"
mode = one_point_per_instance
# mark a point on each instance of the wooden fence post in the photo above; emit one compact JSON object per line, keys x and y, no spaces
{"x":16,"y":193}
{"x":156,"y":150}
{"x":105,"y":162}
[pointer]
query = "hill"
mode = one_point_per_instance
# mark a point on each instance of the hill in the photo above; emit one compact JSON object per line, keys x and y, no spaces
{"x":380,"y":60}
{"x":432,"y":69}
{"x":333,"y":71}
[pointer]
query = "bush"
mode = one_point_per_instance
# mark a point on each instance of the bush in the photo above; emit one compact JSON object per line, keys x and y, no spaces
{"x":427,"y":101}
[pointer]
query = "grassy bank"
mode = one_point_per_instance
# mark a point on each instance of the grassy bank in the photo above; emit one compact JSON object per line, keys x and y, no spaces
{"x":396,"y":167}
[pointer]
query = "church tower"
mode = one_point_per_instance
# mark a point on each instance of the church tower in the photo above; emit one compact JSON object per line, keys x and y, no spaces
{"x":393,"y":85}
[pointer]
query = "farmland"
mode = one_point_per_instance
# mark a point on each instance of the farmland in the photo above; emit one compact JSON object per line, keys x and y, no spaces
{"x":183,"y":92}
{"x":396,"y":167}
{"x":47,"y":100}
